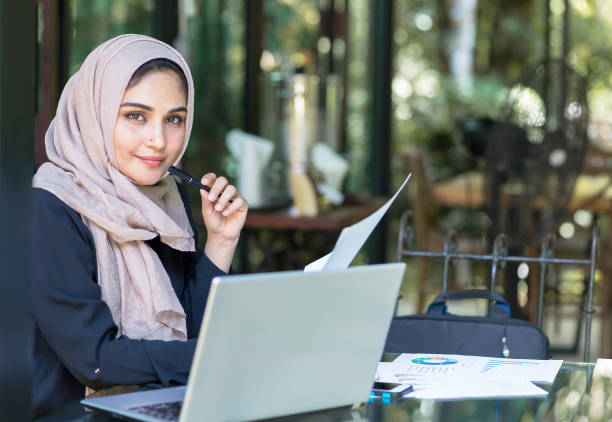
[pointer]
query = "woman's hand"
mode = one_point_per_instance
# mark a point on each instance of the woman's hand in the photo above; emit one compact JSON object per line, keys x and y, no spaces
{"x":223,"y":219}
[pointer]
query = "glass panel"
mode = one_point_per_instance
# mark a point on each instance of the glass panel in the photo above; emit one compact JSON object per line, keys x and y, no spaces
{"x":456,"y":67}
{"x":290,"y":35}
{"x":213,"y":41}
{"x":211,"y":38}
{"x":289,"y":90}
{"x":454,"y":62}
{"x":591,"y":23}
{"x":95,"y":21}
{"x":302,"y":82}
{"x":358,"y":98}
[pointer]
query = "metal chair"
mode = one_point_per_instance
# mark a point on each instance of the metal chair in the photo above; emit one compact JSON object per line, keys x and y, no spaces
{"x":499,"y":257}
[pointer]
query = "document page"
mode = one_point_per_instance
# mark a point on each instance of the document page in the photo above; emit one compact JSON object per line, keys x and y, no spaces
{"x":435,"y":376}
{"x":352,"y":238}
{"x":445,"y":366}
{"x":476,"y":388}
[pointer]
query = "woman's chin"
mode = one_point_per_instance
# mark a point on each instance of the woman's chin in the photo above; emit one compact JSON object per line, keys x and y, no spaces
{"x":150,"y":179}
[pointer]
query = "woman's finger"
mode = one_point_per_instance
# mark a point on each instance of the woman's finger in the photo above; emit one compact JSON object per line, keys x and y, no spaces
{"x":239,"y":204}
{"x":208,"y":179}
{"x":217,"y":187}
{"x":229,"y":193}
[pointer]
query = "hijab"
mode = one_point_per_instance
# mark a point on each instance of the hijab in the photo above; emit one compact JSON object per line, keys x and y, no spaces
{"x":82,"y":171}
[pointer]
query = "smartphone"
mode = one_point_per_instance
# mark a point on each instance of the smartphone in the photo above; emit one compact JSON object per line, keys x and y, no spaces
{"x":390,"y":390}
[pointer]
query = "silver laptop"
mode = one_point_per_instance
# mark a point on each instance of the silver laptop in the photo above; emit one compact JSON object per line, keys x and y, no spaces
{"x":280,"y":343}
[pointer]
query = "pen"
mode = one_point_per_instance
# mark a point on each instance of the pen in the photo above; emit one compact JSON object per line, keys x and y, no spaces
{"x":187,"y":178}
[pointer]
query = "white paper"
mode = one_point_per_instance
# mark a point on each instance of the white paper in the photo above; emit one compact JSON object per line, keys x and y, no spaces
{"x":318,"y":264}
{"x":436,"y":376}
{"x":542,"y":371}
{"x":352,"y":239}
{"x":475,"y":388}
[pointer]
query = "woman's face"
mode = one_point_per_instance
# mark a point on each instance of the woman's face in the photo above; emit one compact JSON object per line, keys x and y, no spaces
{"x":150,"y":127}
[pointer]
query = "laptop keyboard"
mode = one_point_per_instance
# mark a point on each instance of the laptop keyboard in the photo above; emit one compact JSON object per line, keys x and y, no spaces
{"x":165,"y":411}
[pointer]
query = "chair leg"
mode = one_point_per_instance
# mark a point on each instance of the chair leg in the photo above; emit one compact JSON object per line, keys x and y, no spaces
{"x":424,"y":272}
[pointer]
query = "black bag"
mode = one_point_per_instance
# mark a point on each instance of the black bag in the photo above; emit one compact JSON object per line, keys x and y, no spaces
{"x":495,"y":335}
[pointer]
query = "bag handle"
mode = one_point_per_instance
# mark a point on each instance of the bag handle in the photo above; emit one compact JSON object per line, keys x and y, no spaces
{"x":500,"y":306}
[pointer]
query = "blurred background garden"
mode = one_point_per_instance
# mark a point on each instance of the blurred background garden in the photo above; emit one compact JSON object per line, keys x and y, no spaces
{"x":501,"y":110}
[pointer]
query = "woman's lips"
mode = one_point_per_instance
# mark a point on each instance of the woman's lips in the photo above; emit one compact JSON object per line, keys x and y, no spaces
{"x":152,"y":161}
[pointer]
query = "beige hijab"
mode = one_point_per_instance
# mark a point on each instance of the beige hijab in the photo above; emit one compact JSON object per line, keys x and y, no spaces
{"x":121,"y":215}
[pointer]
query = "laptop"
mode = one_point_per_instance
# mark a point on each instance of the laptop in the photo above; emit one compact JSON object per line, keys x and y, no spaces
{"x":275,"y":344}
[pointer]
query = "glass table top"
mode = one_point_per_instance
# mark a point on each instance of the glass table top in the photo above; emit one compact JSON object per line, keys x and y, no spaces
{"x":574,"y":395}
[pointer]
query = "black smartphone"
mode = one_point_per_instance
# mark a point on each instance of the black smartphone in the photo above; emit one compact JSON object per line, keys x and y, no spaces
{"x":390,"y":390}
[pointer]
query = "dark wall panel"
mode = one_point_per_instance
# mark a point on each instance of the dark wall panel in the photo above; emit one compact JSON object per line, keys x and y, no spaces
{"x":17,"y":103}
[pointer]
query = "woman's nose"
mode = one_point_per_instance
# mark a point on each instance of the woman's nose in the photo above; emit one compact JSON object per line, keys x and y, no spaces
{"x":157,"y":139}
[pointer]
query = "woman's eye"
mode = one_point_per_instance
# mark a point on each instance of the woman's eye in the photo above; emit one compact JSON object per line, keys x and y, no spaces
{"x":175,"y":120}
{"x":134,"y":116}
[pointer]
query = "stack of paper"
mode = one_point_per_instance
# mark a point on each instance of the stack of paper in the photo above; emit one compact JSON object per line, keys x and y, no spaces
{"x":454,"y":376}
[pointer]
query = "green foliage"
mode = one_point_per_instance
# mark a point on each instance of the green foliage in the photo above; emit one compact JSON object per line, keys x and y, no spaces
{"x":291,"y":30}
{"x":431,"y":110}
{"x":95,"y":21}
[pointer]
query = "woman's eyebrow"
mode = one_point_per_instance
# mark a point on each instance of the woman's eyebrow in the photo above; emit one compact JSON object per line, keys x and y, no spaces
{"x":146,"y":107}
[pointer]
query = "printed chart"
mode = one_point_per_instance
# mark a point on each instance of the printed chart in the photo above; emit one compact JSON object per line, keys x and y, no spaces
{"x":505,"y":368}
{"x":434,"y":360}
{"x":431,"y":366}
{"x":453,"y":376}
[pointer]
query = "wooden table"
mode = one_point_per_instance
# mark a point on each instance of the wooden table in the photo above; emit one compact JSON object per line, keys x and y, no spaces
{"x":592,"y":192}
{"x":334,"y":219}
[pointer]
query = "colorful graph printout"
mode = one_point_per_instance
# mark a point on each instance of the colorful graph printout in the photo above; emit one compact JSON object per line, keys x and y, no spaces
{"x":434,"y":360}
{"x":431,"y":366}
{"x":435,"y":376}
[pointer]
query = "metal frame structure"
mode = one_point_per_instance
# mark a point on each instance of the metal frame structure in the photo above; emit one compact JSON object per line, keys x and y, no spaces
{"x":380,"y":133}
{"x":499,"y":256}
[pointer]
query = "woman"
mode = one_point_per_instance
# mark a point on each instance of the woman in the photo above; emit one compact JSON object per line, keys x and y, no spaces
{"x":119,"y":289}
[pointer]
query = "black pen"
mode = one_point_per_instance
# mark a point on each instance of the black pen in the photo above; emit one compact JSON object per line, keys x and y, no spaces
{"x":187,"y":178}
